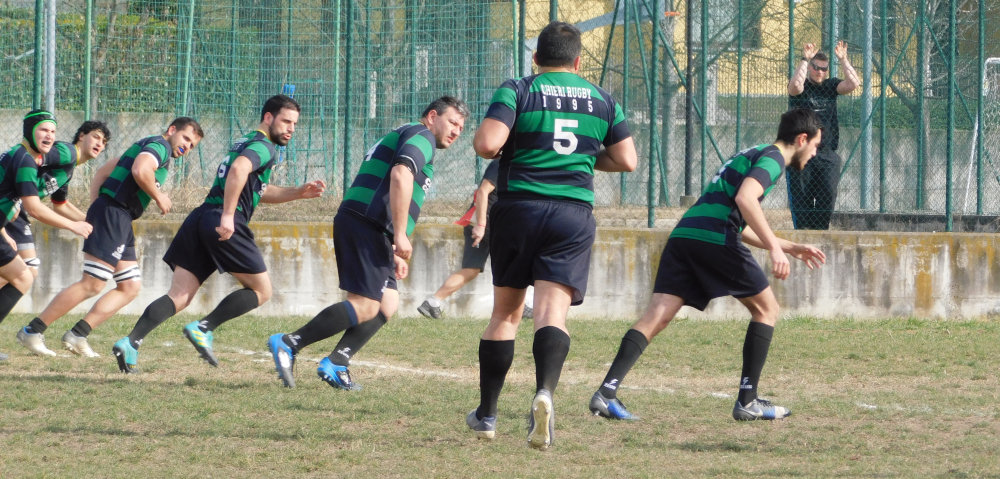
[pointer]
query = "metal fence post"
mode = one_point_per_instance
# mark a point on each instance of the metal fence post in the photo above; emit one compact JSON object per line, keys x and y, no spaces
{"x":88,"y":59}
{"x":36,"y":87}
{"x":651,"y":177}
{"x":950,"y":146}
{"x":883,"y":54}
{"x":866,"y":105}
{"x":186,"y":71}
{"x":348,"y":67}
{"x":921,"y":105}
{"x":981,"y":66}
{"x":625,"y":80}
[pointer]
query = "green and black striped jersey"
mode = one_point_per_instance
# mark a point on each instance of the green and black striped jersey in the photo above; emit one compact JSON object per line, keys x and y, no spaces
{"x":411,"y":145}
{"x":558,"y":122}
{"x":715,"y":218}
{"x":121,"y":186}
{"x":257,"y":147}
{"x":18,"y":177}
{"x":56,"y":171}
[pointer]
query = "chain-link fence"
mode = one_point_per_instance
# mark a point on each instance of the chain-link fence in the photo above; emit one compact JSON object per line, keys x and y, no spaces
{"x":918,"y":136}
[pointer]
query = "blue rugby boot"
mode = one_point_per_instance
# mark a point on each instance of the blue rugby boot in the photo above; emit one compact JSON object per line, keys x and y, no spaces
{"x":202,"y":342}
{"x":485,"y":428}
{"x":336,"y":375}
{"x":126,"y":355}
{"x":284,"y":359}
{"x":610,"y":408}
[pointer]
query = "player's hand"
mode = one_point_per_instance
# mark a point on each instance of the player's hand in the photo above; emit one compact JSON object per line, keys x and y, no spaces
{"x":226,"y":227}
{"x":81,"y":228}
{"x":402,"y":247}
{"x":313,"y":189}
{"x":402,"y":268}
{"x":840,"y":50}
{"x":809,"y":50}
{"x":164,"y":204}
{"x":779,"y":264}
{"x":809,"y":254}
{"x":477,"y":235}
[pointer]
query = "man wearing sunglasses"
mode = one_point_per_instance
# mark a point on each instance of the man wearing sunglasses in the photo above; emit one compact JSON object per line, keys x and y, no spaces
{"x":812,"y":192}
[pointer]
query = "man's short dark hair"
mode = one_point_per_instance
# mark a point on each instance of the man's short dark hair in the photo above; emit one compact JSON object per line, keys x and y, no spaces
{"x":559,"y":45}
{"x":443,"y":103}
{"x":821,"y":57}
{"x":276,"y":103}
{"x":183,"y":122}
{"x":89,"y":126}
{"x":796,"y":122}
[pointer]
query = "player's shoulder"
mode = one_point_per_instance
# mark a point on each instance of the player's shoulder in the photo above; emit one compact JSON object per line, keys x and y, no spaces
{"x":259,"y":139}
{"x":410,"y":130}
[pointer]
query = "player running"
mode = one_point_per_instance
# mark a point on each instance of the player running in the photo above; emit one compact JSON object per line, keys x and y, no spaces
{"x":216,"y":236}
{"x":120,"y":192}
{"x":705,"y":257}
{"x":371,"y":238}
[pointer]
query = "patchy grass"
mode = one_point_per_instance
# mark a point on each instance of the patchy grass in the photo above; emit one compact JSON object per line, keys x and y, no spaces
{"x":888,"y":398}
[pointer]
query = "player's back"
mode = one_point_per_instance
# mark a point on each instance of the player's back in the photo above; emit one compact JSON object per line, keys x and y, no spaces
{"x":560,"y":123}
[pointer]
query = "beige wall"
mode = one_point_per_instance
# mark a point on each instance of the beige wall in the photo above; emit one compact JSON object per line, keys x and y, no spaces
{"x":868,"y":274}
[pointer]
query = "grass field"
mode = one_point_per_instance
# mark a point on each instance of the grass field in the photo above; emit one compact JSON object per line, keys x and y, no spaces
{"x":888,"y":398}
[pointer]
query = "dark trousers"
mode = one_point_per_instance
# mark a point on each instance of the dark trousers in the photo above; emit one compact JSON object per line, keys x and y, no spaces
{"x":812,"y":192}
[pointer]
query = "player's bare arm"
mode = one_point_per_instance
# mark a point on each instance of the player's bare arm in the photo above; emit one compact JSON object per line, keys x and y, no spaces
{"x":797,"y":83}
{"x":482,"y":202}
{"x":144,"y":172}
{"x":747,"y":200}
{"x":69,"y":211}
{"x":851,"y":80}
{"x":402,"y":267}
{"x":100,"y":176}
{"x":283,"y":194}
{"x":400,"y":195}
{"x":236,"y":179}
{"x":34,"y":206}
{"x":809,"y":254}
{"x":490,"y":138}
{"x":620,"y":157}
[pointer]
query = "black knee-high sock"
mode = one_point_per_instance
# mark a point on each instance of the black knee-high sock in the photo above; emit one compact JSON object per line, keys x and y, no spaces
{"x":82,"y":328}
{"x":36,"y":326}
{"x":495,"y":358}
{"x":155,"y":314}
{"x":328,"y":322}
{"x":550,"y":348}
{"x":9,"y":296}
{"x":355,"y":338}
{"x":235,"y":304}
{"x":633,"y":344}
{"x":755,"y":347}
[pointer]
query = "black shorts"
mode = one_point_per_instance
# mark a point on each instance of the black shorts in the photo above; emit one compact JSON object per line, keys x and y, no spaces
{"x":475,"y":258}
{"x":19,"y":230}
{"x":112,"y":239}
{"x":533,"y":240}
{"x":698,"y":272}
{"x":196,"y":246}
{"x":365,"y":263}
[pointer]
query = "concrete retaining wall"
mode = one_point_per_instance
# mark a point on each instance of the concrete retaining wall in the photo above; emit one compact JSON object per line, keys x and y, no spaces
{"x":868,"y":274}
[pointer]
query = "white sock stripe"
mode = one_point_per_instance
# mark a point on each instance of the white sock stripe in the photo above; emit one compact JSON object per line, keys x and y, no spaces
{"x":97,"y":270}
{"x":127,"y":274}
{"x":33,"y":262}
